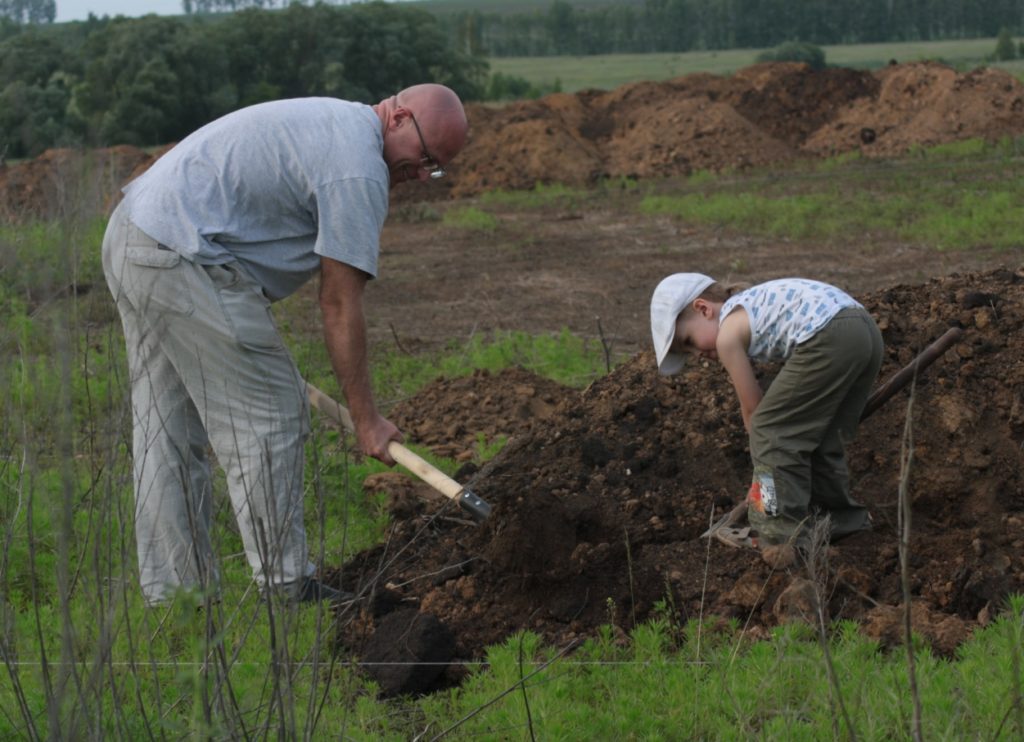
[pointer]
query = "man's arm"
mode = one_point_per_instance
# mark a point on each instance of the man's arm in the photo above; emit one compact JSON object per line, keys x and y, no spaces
{"x":731,"y":346}
{"x":341,"y":302}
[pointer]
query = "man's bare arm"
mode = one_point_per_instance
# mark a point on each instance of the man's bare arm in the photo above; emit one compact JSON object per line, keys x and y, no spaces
{"x":341,"y":302}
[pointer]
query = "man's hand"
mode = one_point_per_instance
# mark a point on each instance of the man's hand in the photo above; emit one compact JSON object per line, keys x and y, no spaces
{"x":374,"y":437}
{"x":341,"y":302}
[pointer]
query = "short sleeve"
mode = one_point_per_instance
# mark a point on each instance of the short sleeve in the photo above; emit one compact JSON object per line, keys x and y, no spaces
{"x":350,"y":214}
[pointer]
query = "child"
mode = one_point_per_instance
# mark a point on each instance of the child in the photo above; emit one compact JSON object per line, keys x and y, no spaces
{"x":832,"y":351}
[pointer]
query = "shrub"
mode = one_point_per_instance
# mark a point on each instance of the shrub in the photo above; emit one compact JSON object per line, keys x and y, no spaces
{"x":795,"y":51}
{"x":511,"y":87}
{"x":1005,"y":48}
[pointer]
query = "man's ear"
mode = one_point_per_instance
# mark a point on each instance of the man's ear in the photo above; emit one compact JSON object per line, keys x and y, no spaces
{"x":399,"y":115}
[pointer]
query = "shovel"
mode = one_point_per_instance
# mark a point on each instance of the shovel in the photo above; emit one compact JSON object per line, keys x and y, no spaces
{"x":477,"y":508}
{"x":880,"y":396}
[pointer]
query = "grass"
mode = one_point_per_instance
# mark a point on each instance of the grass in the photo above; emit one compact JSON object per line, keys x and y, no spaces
{"x":654,"y":685}
{"x":470,"y":218}
{"x":608,"y":71}
{"x":539,"y":196}
{"x":83,"y":658}
{"x":953,"y":197}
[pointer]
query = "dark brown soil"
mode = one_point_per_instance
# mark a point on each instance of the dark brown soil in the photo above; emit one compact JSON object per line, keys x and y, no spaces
{"x":599,"y":505}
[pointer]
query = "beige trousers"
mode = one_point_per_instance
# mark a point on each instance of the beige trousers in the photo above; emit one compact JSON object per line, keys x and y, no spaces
{"x":207,"y":368}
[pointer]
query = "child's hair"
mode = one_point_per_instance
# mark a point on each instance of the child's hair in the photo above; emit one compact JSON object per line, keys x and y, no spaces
{"x":719,"y":292}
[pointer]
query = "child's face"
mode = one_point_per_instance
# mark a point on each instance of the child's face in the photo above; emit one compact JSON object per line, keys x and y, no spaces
{"x":697,"y":330}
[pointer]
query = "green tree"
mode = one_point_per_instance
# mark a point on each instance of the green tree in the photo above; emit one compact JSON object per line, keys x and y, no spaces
{"x":31,"y":118}
{"x":33,"y":95}
{"x":1005,"y":48}
{"x":30,"y":57}
{"x":561,"y":27}
{"x":224,"y":6}
{"x":137,"y":66}
{"x":29,"y":11}
{"x":153,"y":80}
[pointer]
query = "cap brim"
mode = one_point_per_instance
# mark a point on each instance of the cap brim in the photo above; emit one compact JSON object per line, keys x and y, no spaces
{"x":671,"y":364}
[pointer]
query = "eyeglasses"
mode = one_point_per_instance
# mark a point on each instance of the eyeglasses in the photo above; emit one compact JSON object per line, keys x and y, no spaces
{"x":428,"y":162}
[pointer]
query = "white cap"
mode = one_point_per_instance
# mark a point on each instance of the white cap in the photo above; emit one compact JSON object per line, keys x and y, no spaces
{"x":670,"y":298}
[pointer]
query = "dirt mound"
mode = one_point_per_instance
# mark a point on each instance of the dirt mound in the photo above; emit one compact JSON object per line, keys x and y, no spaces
{"x":764,"y":114}
{"x":598,"y":509}
{"x":921,"y":105}
{"x":452,"y":416}
{"x":67,"y":182}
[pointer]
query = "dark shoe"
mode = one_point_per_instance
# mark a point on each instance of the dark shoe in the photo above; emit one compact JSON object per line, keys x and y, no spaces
{"x":314,"y":591}
{"x":311,"y":590}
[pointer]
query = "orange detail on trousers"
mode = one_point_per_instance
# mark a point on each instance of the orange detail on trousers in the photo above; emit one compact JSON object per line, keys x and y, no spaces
{"x":754,"y":496}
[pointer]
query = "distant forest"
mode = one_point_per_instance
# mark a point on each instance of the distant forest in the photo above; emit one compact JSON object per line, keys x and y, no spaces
{"x":685,"y":25}
{"x":152,"y":80}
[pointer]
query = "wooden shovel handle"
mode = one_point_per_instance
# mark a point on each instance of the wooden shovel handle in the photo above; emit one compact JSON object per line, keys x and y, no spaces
{"x":899,"y":380}
{"x":411,"y":461}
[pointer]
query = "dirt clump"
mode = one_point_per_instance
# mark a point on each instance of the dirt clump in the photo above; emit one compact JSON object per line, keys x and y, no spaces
{"x":598,"y":508}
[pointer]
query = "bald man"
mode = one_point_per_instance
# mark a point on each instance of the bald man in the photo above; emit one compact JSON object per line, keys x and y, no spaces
{"x":237,"y":216}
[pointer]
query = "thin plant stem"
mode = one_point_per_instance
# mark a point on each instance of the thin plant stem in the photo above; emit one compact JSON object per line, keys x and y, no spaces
{"x":904,"y":523}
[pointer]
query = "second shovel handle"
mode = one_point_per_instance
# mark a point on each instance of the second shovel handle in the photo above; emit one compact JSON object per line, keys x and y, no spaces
{"x":900,"y":379}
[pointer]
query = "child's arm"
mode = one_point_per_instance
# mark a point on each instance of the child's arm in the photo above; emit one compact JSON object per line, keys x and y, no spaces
{"x":731,"y":346}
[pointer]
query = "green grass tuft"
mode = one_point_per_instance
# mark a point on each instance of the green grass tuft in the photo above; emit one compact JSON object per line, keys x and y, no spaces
{"x":470,"y":218}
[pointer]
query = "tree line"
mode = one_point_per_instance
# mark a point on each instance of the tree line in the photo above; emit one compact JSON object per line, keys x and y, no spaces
{"x":153,"y":80}
{"x":685,"y":25}
{"x":28,"y":11}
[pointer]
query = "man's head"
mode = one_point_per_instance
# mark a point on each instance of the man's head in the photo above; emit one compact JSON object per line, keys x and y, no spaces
{"x":425,"y":126}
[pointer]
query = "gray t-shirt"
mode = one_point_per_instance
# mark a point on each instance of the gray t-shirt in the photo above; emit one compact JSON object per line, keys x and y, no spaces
{"x":273,"y":186}
{"x":786,"y":312}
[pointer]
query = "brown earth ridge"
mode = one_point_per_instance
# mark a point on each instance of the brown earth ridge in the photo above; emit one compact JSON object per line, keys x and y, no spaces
{"x":765,"y":114}
{"x":600,"y":496}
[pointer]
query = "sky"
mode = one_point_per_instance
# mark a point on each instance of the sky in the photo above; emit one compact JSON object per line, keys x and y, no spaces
{"x":78,"y":10}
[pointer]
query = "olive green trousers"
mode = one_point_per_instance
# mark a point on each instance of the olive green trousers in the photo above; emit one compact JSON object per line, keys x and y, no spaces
{"x":799,"y":432}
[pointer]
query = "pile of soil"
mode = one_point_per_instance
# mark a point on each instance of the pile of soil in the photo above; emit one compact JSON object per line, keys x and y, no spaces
{"x":454,"y":416}
{"x":764,"y":114}
{"x":598,"y":508}
{"x":63,"y":183}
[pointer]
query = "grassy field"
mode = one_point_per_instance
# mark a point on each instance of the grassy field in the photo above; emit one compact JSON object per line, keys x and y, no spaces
{"x":611,"y":70}
{"x":924,"y":200}
{"x":84,"y":659}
